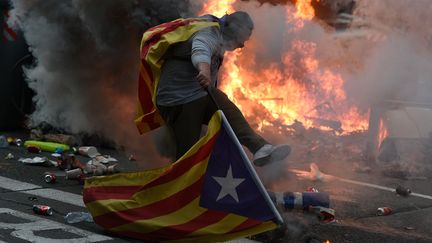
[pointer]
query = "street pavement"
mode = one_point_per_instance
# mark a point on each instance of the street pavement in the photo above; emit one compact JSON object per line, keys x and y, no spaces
{"x":355,"y":204}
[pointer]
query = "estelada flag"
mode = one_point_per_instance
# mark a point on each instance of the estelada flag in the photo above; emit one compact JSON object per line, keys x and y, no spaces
{"x":212,"y":193}
{"x":155,"y":42}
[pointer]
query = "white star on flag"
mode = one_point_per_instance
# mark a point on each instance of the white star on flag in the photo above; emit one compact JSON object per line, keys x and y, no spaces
{"x":228,"y":185}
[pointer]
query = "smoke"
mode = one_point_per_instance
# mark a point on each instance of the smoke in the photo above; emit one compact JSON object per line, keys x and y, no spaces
{"x":398,"y":64}
{"x":87,"y":60}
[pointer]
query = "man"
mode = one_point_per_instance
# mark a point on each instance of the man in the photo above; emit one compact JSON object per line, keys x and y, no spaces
{"x":186,"y":96}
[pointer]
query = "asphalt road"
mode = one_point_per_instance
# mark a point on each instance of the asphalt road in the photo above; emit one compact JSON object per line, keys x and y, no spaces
{"x":22,"y":186}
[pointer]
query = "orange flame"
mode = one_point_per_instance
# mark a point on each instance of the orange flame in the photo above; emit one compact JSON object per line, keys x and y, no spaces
{"x":218,"y":8}
{"x":305,"y":9}
{"x":383,"y":132}
{"x":296,"y":89}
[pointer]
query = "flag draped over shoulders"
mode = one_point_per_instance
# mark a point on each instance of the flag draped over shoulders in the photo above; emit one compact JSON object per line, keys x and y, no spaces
{"x":155,"y":42}
{"x":210,"y":194}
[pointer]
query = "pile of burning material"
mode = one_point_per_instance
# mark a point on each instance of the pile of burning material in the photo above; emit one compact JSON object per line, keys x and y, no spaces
{"x":313,"y":144}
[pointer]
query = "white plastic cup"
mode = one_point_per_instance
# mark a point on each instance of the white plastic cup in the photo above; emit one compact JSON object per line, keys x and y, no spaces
{"x":89,"y":151}
{"x":73,"y":174}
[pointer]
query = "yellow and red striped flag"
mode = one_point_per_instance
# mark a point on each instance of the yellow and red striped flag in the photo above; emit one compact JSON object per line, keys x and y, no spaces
{"x":210,"y":194}
{"x":154,"y":44}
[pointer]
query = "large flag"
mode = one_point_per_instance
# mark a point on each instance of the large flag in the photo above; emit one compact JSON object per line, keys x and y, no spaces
{"x":212,"y":193}
{"x":155,"y":42}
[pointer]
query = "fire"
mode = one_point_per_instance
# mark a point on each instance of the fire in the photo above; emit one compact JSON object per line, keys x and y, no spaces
{"x":383,"y":132}
{"x":297,"y":88}
{"x":305,"y":9}
{"x":218,"y":8}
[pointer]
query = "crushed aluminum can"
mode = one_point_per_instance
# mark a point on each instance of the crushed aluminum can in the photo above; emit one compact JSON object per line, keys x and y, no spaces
{"x":50,"y":178}
{"x":403,"y":191}
{"x":383,"y":211}
{"x":42,"y":210}
{"x":311,"y":189}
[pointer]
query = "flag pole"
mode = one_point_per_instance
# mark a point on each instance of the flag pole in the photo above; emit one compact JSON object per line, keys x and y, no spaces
{"x":246,"y":158}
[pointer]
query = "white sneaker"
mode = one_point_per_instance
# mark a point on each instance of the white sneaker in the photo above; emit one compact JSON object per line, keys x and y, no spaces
{"x":270,"y":153}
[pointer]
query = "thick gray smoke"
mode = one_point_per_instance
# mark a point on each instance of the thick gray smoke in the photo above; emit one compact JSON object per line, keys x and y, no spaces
{"x":399,"y":50}
{"x":87,"y":59}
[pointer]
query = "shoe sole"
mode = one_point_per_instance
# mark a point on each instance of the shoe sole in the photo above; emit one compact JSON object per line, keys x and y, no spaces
{"x":277,"y":154}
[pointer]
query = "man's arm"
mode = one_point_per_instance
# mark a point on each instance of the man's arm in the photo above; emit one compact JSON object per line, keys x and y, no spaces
{"x":204,"y":44}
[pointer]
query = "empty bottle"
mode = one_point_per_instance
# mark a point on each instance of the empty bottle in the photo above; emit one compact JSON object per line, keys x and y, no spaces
{"x":76,"y":217}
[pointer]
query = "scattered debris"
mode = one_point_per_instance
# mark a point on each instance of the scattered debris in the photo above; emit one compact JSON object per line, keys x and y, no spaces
{"x":89,"y":151}
{"x":35,"y":160}
{"x":76,"y":217}
{"x":9,"y":156}
{"x":409,"y":228}
{"x":400,"y":190}
{"x":104,"y":159}
{"x":42,"y":210}
{"x":314,"y":174}
{"x":325,"y":215}
{"x":384,"y":211}
{"x":50,"y":178}
{"x":32,"y":198}
{"x":131,"y":158}
{"x":74,"y":173}
{"x":14,"y":141}
{"x":311,"y":189}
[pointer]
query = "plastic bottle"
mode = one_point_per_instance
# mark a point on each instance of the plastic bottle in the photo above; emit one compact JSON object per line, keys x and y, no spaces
{"x":76,"y":217}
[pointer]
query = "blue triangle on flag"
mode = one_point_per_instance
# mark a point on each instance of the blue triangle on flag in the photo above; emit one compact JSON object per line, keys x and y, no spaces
{"x":228,"y":184}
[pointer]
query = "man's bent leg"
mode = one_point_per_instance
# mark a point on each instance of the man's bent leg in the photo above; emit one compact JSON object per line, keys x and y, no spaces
{"x":264,"y":153}
{"x":186,"y":121}
{"x":245,"y":134}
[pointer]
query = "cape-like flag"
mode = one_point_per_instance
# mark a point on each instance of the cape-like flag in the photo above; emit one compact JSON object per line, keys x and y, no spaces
{"x":155,"y":42}
{"x":210,"y":194}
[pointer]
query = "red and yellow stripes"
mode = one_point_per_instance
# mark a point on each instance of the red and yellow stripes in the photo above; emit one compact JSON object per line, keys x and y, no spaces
{"x":163,"y":204}
{"x":155,"y":43}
